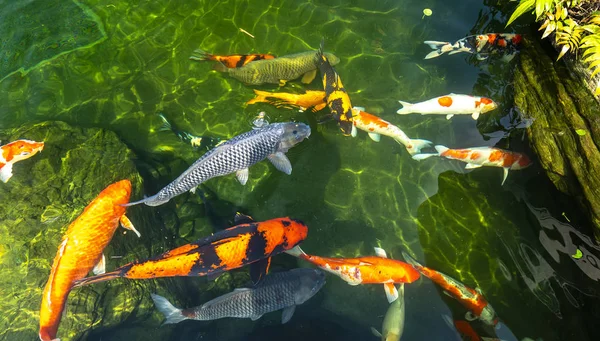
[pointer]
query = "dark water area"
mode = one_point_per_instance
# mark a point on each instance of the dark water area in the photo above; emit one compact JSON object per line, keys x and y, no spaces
{"x":118,"y":65}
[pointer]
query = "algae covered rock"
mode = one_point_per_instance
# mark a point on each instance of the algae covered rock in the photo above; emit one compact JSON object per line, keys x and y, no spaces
{"x":45,"y":194}
{"x":566,"y":129}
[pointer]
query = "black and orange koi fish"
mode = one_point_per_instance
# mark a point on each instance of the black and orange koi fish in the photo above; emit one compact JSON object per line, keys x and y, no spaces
{"x":253,"y":242}
{"x":231,"y":61}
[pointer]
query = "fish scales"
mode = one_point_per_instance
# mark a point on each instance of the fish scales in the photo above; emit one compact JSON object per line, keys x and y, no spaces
{"x":275,"y":292}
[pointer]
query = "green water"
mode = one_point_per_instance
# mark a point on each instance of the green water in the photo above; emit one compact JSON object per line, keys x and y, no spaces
{"x":116,"y":65}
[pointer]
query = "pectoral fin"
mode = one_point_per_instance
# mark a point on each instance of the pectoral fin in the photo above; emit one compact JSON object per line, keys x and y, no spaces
{"x":472,"y":166}
{"x":470,"y":317}
{"x":379,"y":252}
{"x":475,"y":115}
{"x":449,"y":116}
{"x":193,"y":189}
{"x":376,"y":332}
{"x":309,"y":76}
{"x":390,"y":292}
{"x":255,"y":317}
{"x":258,"y":270}
{"x":128,"y":225}
{"x":242,"y":176}
{"x":287,"y":314}
{"x":241,"y":218}
{"x":354,"y":131}
{"x":505,"y":175}
{"x":6,"y":172}
{"x":281,"y":83}
{"x":374,"y":136}
{"x":100,"y":268}
{"x":281,"y":162}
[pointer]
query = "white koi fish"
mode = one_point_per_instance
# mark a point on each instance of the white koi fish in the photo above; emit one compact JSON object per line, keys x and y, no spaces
{"x":376,"y":127}
{"x":450,"y":105}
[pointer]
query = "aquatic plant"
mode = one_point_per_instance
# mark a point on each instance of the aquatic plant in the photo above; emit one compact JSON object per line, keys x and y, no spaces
{"x":575,"y":25}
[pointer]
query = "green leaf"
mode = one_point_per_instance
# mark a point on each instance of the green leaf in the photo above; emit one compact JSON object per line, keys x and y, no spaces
{"x":564,"y":50}
{"x":551,"y":27}
{"x":524,"y":6}
{"x":580,"y":132}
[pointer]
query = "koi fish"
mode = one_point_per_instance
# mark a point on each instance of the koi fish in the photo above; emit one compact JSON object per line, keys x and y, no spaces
{"x":365,"y":270}
{"x":450,"y":105}
{"x":471,"y":299}
{"x":281,"y":290}
{"x":14,"y":152}
{"x":230,"y":61}
{"x":243,"y":244}
{"x":194,"y":141}
{"x":335,"y":94}
{"x":376,"y":127}
{"x":309,"y":99}
{"x":278,"y":70}
{"x":81,"y":251}
{"x":236,"y":156}
{"x":483,"y":156}
{"x":482,"y":45}
{"x":393,"y":322}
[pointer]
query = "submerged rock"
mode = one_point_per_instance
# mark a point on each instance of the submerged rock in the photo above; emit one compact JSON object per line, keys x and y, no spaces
{"x":566,"y":129}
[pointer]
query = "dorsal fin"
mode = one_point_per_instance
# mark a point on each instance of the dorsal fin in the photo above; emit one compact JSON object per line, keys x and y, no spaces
{"x":241,"y":218}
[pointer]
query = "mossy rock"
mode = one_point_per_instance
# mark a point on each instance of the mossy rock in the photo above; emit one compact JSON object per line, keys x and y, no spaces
{"x":566,"y":129}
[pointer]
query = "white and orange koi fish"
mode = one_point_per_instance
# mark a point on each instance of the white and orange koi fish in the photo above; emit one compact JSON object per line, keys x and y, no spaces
{"x":14,"y":152}
{"x":506,"y":45}
{"x":376,"y":127}
{"x":482,"y":156}
{"x":450,"y":105}
{"x":471,"y":299}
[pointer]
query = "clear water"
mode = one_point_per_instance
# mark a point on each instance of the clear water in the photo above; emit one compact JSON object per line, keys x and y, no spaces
{"x":514,"y":242}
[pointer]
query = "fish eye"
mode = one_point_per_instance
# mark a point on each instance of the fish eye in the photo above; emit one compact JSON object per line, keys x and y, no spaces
{"x":295,"y":132}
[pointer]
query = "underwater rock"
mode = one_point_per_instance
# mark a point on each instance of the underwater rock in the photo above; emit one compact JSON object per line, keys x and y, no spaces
{"x":565,"y":133}
{"x":45,"y":194}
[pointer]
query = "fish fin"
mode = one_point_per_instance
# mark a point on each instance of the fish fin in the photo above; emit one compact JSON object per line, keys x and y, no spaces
{"x":434,"y":54}
{"x":475,"y":115}
{"x":416,"y":145}
{"x":447,"y":293}
{"x":98,"y":278}
{"x":376,"y":332}
{"x":143,"y":201}
{"x":406,"y":108}
{"x":220,"y":67}
{"x":281,"y":162}
{"x":128,"y":225}
{"x":166,"y":124}
{"x":287,"y":314}
{"x":354,"y":131}
{"x":309,"y":76}
{"x":472,"y":166}
{"x":171,"y":313}
{"x":214,"y":275}
{"x":480,"y":57}
{"x":508,"y":57}
{"x":359,"y":108}
{"x":505,"y":175}
{"x":469,"y":316}
{"x":390,"y":292}
{"x":478,"y":289}
{"x":410,"y":260}
{"x":241,"y":218}
{"x":379,"y":252}
{"x":100,"y":268}
{"x":193,"y":189}
{"x":255,"y":317}
{"x":419,"y":157}
{"x":319,"y":107}
{"x":6,"y":172}
{"x":261,"y":96}
{"x":282,"y":82}
{"x":454,"y":52}
{"x":449,"y":116}
{"x":374,"y":136}
{"x":242,"y":175}
{"x":436,"y":44}
{"x":200,"y":55}
{"x":296,"y":251}
{"x":325,"y":119}
{"x":441,"y":149}
{"x":258,"y":270}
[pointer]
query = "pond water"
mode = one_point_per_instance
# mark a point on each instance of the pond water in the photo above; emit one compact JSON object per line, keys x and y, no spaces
{"x":118,"y":65}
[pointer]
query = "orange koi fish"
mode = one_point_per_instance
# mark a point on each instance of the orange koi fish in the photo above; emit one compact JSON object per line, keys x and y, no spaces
{"x":483,"y":156}
{"x":335,"y":94}
{"x":253,"y":242}
{"x":230,"y":61}
{"x":80,"y":250}
{"x":365,"y":270}
{"x":14,"y":152}
{"x":471,"y":299}
{"x":309,"y":99}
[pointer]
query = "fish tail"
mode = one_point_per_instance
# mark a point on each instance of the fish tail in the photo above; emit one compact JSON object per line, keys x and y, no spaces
{"x":166,"y":124}
{"x":172,"y":313}
{"x":406,"y":108}
{"x":296,"y":251}
{"x":440,"y":48}
{"x":261,"y":96}
{"x":411,"y":261}
{"x":319,"y":54}
{"x":97,"y":279}
{"x":416,"y":145}
{"x":441,"y":149}
{"x":220,"y":67}
{"x":419,"y":157}
{"x":200,"y":55}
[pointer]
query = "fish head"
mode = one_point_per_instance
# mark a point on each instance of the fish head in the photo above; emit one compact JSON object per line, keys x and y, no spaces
{"x":488,"y":315}
{"x":295,"y":231}
{"x":485,"y":104}
{"x":292,"y":134}
{"x":311,"y":281}
{"x":21,"y":150}
{"x":333,"y":59}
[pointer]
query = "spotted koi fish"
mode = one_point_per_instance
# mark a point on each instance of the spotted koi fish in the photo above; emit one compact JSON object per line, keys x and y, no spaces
{"x":450,"y":105}
{"x":482,"y":156}
{"x":230,"y":61}
{"x":482,"y":45}
{"x":223,"y":251}
{"x":335,"y":94}
{"x":309,"y":99}
{"x":14,"y":152}
{"x":471,"y":299}
{"x":365,"y":270}
{"x":80,"y":250}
